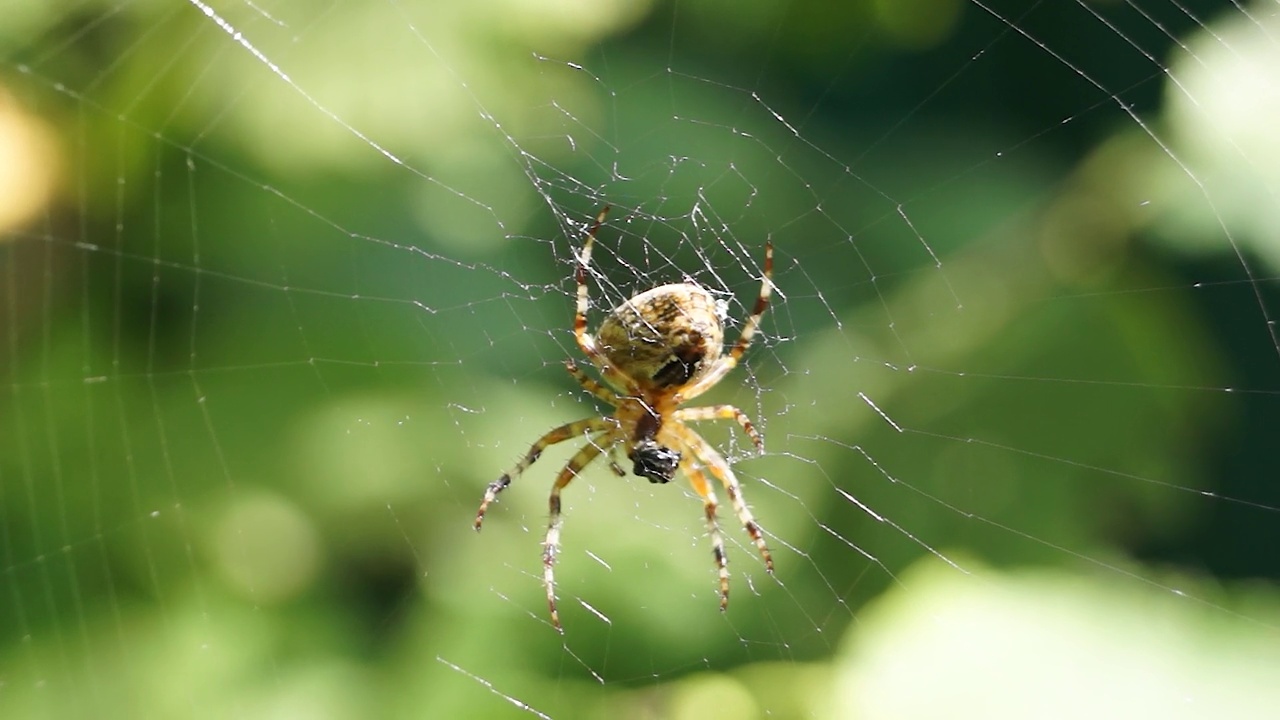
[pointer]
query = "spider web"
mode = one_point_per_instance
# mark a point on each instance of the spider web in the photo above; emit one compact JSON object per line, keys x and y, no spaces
{"x":285,"y":284}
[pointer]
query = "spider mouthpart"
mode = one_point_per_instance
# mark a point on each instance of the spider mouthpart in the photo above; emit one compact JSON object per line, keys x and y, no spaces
{"x":654,"y":461}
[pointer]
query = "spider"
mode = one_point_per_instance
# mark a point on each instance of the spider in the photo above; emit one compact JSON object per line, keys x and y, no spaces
{"x":655,"y":351}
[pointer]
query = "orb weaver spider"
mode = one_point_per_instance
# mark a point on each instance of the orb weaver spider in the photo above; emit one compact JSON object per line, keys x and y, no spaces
{"x":655,"y":351}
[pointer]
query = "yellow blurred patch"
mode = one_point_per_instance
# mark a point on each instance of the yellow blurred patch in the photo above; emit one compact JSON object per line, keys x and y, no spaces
{"x":28,"y":164}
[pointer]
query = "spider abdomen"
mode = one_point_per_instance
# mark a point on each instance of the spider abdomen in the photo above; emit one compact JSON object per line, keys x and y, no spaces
{"x":664,"y":338}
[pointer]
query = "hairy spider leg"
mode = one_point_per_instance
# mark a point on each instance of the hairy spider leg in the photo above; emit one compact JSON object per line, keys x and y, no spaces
{"x":589,"y":384}
{"x":551,"y":545}
{"x":603,"y":394}
{"x":567,"y":431}
{"x":721,"y":412}
{"x":730,"y":361}
{"x":717,"y":466}
{"x":701,"y":486}
{"x":586,"y":340}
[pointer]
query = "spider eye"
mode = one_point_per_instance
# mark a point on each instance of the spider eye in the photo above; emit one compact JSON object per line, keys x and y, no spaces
{"x":655,"y":462}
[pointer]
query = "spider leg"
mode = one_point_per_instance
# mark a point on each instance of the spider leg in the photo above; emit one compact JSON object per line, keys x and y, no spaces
{"x":701,"y":486}
{"x":613,"y":461}
{"x":567,"y":431}
{"x":587,"y":341}
{"x":722,"y":412}
{"x":551,"y":545}
{"x":717,"y":466}
{"x":600,"y":392}
{"x":730,"y":361}
{"x":604,"y":394}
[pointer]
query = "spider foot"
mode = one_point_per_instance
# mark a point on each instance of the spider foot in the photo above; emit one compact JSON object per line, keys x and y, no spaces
{"x":480,"y":515}
{"x":555,"y":618}
{"x":549,"y":580}
{"x":491,"y":494}
{"x":753,"y":529}
{"x":722,"y":562}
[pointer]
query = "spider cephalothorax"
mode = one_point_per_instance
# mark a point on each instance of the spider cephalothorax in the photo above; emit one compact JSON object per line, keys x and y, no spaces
{"x":655,"y":351}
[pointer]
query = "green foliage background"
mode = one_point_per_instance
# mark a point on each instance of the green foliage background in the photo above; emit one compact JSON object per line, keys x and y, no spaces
{"x":270,"y":333}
